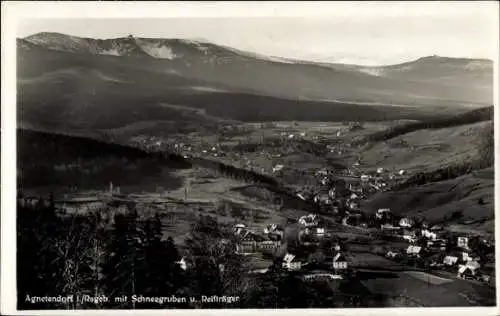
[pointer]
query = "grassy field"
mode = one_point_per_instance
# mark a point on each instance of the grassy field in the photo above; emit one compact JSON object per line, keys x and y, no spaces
{"x":424,"y":293}
{"x":366,"y":260}
{"x":427,"y":149}
{"x":472,"y":195}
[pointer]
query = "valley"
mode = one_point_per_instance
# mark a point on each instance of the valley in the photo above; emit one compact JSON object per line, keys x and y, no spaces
{"x":278,"y":171}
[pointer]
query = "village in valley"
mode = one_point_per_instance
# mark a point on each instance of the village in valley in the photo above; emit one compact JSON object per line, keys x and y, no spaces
{"x":321,"y":226}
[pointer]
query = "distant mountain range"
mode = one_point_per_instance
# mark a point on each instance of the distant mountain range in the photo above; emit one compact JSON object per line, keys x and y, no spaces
{"x":68,"y":82}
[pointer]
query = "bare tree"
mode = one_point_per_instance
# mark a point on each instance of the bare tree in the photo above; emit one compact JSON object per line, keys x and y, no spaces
{"x":216,"y":268}
{"x":79,"y":253}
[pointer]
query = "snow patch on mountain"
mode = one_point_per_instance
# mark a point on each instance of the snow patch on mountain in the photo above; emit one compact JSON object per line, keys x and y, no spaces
{"x":111,"y":52}
{"x":377,"y":72}
{"x":198,"y":44}
{"x":477,"y":65}
{"x":157,"y":51}
{"x":60,"y":42}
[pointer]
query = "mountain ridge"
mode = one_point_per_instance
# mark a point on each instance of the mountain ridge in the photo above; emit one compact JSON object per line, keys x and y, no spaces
{"x":77,"y":83}
{"x":36,"y":39}
{"x":428,"y":80}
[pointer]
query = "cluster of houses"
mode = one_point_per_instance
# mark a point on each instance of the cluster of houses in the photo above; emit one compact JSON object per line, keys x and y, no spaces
{"x":216,"y":150}
{"x":184,"y":148}
{"x":335,"y":268}
{"x":293,"y":135}
{"x":343,"y":193}
{"x":250,"y":242}
{"x":435,"y":248}
{"x":429,"y":245}
{"x":381,"y":178}
{"x":310,"y":232}
{"x":149,"y":142}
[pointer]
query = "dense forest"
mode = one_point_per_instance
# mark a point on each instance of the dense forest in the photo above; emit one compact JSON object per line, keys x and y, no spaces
{"x":234,"y":172}
{"x":54,"y":159}
{"x":54,"y":148}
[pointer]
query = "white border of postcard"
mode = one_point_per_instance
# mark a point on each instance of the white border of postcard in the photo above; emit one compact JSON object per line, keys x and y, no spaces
{"x":14,"y":11}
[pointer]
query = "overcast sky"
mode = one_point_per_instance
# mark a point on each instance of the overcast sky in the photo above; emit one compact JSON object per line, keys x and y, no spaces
{"x":347,"y":33}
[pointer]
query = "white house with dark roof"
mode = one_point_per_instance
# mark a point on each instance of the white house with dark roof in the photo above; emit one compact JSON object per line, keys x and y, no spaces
{"x":471,"y":268}
{"x":463,"y":242}
{"x":382,"y":212}
{"x":413,"y":250}
{"x":247,"y":242}
{"x":450,"y":260}
{"x":274,"y":231}
{"x":406,"y":222}
{"x":278,"y":168}
{"x":182,"y":264}
{"x":308,"y":220}
{"x":319,"y":231}
{"x":410,"y":238}
{"x":428,"y":234}
{"x":291,"y":262}
{"x":339,"y":262}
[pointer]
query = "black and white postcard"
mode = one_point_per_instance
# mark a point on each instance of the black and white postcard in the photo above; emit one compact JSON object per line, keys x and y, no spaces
{"x":249,"y":156}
